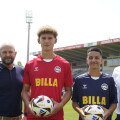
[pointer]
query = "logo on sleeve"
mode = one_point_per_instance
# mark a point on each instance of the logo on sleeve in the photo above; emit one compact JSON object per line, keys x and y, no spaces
{"x":57,"y":69}
{"x":104,"y":86}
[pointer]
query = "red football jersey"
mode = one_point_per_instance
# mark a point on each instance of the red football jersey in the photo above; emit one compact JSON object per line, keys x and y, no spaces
{"x":48,"y":78}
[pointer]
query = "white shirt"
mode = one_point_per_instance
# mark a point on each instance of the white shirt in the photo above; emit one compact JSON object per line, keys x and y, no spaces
{"x":116,"y":76}
{"x":47,"y":60}
{"x":95,"y":78}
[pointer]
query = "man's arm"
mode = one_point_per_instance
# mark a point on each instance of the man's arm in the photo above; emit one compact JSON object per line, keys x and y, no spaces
{"x":109,"y":111}
{"x":79,"y":110}
{"x":26,"y":98}
{"x":66,"y":97}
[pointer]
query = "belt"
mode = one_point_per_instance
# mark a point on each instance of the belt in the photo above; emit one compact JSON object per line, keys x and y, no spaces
{"x":8,"y":118}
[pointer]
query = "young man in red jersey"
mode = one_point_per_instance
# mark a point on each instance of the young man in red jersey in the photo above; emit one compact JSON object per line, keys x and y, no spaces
{"x":47,"y":75}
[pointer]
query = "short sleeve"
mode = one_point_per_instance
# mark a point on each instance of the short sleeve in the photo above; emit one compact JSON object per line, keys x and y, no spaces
{"x":26,"y":78}
{"x":68,"y":76}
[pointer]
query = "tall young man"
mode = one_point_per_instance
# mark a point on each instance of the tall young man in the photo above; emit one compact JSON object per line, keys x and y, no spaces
{"x":116,"y":76}
{"x":47,"y":75}
{"x":11,"y":76}
{"x":94,"y":87}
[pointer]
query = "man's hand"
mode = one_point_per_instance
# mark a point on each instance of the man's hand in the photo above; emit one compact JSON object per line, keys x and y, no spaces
{"x":81,"y":112}
{"x":30,"y":110}
{"x":106,"y":113}
{"x":56,"y":108}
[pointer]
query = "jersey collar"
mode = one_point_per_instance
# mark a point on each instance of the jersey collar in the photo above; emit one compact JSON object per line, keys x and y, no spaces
{"x":2,"y":66}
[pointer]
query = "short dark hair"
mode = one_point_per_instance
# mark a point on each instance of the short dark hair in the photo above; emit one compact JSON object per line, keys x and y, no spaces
{"x":47,"y":30}
{"x":95,"y":49}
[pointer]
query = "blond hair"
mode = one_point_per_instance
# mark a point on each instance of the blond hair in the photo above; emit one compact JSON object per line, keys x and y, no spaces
{"x":47,"y":30}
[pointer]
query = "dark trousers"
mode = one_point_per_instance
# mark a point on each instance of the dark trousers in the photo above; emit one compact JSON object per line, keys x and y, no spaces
{"x":118,"y":117}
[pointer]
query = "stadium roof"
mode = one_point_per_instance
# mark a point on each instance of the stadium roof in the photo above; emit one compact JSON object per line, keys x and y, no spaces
{"x":77,"y":53}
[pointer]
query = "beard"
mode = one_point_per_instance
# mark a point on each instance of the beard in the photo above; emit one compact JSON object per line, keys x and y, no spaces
{"x":7,"y":62}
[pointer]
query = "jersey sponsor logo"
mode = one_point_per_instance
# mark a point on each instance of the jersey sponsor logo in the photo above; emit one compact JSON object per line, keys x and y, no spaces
{"x":84,"y":86}
{"x":46,"y":82}
{"x":104,"y":86}
{"x":36,"y":69}
{"x":94,"y":100}
{"x":57,"y":69}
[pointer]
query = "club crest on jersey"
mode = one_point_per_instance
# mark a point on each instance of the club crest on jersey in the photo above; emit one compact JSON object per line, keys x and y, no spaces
{"x":104,"y":86}
{"x":57,"y":69}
